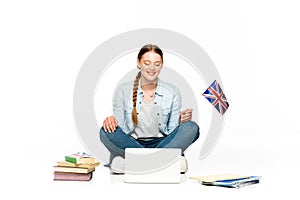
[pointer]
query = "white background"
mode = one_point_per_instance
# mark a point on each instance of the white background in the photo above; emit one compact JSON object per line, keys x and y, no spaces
{"x":254,"y":45}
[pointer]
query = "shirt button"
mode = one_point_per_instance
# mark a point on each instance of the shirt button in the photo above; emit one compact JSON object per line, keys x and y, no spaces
{"x":155,"y":102}
{"x":157,"y":113}
{"x":140,"y":102}
{"x":159,"y":123}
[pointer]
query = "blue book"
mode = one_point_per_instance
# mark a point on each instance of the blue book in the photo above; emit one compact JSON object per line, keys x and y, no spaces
{"x":234,"y":183}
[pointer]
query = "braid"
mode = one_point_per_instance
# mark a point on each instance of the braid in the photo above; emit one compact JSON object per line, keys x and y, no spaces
{"x":134,"y":97}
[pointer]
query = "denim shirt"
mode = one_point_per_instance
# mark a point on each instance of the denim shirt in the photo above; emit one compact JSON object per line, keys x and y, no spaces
{"x":167,"y":102}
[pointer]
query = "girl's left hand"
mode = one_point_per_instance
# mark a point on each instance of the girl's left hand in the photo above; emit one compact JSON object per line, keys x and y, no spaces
{"x":186,"y":115}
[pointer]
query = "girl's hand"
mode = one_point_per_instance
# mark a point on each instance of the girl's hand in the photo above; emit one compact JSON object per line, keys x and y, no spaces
{"x":110,"y":124}
{"x":186,"y":115}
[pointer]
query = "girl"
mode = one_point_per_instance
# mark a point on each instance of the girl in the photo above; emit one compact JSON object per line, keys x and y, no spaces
{"x":146,"y":114}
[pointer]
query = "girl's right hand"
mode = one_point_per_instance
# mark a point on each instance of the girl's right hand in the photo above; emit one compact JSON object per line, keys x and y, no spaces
{"x":110,"y":124}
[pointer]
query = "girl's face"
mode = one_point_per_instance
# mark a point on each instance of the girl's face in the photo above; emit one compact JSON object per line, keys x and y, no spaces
{"x":150,"y":66}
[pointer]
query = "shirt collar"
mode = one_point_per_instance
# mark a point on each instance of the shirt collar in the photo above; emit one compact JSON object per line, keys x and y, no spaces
{"x":158,"y":88}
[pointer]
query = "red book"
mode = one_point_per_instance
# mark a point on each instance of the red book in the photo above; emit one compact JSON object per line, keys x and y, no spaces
{"x":67,"y":176}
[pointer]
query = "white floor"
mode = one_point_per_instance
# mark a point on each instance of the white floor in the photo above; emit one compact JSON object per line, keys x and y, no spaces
{"x":278,"y":180}
{"x":272,"y":154}
{"x":277,"y":163}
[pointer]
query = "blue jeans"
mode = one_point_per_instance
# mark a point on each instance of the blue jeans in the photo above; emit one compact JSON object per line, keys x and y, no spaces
{"x":182,"y":137}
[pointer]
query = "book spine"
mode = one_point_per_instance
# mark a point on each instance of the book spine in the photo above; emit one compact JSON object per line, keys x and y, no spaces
{"x":72,"y":176}
{"x":69,"y":164}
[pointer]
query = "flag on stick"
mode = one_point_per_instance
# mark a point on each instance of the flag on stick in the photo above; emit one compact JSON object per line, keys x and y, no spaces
{"x":216,"y":97}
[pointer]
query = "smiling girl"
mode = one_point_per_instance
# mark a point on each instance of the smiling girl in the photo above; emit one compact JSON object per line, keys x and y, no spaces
{"x":147,"y":113}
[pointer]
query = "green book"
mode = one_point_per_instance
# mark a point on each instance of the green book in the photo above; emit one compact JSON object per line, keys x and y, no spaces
{"x":80,"y":158}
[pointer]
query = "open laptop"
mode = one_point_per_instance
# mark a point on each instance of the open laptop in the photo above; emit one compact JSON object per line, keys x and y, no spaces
{"x":152,"y":165}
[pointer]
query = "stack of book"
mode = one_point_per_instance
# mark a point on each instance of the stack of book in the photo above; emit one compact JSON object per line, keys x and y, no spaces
{"x":227,"y":180}
{"x":76,"y":167}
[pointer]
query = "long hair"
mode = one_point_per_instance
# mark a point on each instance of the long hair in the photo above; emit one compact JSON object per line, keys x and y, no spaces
{"x":144,"y":49}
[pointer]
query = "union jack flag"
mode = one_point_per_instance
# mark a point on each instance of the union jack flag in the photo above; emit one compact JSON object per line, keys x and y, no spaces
{"x":216,"y":97}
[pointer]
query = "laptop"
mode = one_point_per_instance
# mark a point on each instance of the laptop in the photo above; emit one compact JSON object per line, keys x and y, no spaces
{"x":152,"y":165}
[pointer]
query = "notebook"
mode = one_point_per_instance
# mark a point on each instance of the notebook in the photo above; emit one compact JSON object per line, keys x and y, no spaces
{"x":152,"y":165}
